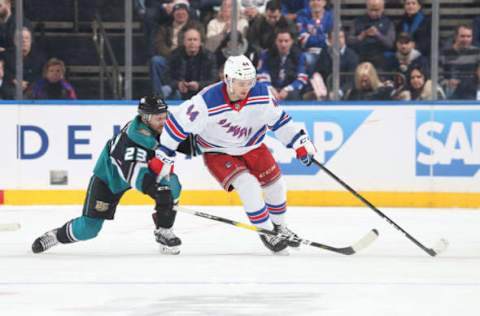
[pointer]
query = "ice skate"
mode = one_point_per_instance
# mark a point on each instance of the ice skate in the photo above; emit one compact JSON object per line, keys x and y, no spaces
{"x":284,"y":230}
{"x":44,"y":242}
{"x":169,"y":242}
{"x":275,"y":243}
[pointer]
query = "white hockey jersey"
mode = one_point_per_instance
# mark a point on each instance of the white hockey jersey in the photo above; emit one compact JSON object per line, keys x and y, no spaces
{"x":225,"y":127}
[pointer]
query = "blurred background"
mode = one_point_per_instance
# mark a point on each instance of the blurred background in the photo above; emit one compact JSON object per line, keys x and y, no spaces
{"x":307,"y":50}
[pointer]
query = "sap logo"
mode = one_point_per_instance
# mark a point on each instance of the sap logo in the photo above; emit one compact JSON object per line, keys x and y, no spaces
{"x":33,"y":141}
{"x":449,"y":144}
{"x":330,"y":130}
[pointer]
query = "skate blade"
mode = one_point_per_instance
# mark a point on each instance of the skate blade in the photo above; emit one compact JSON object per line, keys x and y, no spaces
{"x":169,"y":250}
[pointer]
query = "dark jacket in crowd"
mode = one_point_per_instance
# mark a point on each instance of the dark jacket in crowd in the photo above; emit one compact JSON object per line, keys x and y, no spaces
{"x":261,"y":35}
{"x":348,"y":64}
{"x":32,"y":64}
{"x":7,"y":91}
{"x":419,"y":27}
{"x":372,"y":48}
{"x":43,"y":89}
{"x":386,"y":92}
{"x":7,"y":32}
{"x":467,"y":90}
{"x":201,"y":67}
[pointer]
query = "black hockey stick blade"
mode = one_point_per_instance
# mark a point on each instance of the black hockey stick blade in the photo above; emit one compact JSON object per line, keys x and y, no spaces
{"x":440,"y":246}
{"x":364,"y":242}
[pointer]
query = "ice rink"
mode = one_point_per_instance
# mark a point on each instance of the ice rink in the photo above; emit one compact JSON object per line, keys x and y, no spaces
{"x":225,"y":270}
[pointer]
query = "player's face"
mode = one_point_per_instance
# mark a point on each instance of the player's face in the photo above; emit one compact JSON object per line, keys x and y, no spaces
{"x":157,"y":121}
{"x":241,"y":88}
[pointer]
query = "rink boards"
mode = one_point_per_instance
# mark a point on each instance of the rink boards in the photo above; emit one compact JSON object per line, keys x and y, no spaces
{"x":396,"y":154}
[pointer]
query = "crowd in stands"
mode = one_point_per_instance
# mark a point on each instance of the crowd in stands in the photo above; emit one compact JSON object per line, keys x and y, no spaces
{"x":43,"y":78}
{"x":289,"y":41}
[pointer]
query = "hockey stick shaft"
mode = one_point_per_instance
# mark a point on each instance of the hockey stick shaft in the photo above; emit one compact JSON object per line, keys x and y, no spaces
{"x":364,"y":242}
{"x":430,"y":251}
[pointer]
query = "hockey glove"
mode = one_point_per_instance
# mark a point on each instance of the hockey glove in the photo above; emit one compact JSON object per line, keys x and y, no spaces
{"x":305,"y":149}
{"x":162,"y":164}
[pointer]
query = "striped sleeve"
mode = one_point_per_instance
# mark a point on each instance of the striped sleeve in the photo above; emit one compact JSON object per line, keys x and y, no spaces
{"x":190,"y":117}
{"x":280,"y":123}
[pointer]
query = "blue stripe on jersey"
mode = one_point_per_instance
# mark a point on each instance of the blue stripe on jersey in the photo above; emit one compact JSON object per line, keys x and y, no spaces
{"x":257,"y":102}
{"x":202,"y":142}
{"x":294,"y":139}
{"x":216,"y":113}
{"x":284,"y":119}
{"x":172,"y":134}
{"x":213,"y":95}
{"x":254,"y":139}
{"x":178,"y":126}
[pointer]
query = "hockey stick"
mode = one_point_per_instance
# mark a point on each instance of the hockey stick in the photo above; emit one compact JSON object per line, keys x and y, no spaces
{"x":9,"y":227}
{"x":364,"y":242}
{"x":440,"y":246}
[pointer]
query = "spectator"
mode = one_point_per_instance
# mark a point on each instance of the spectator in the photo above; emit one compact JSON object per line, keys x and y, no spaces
{"x":420,"y":86}
{"x":156,"y":13}
{"x":226,"y":49}
{"x":348,"y":63}
{"x":314,"y":23}
{"x":33,"y":59}
{"x":406,"y":55}
{"x":459,"y":61}
{"x":373,"y":34}
{"x":166,"y":40}
{"x":220,"y":26}
{"x":252,"y":8}
{"x":418,"y":25}
{"x":206,"y":8}
{"x":191,"y":66}
{"x":262,"y":31}
{"x":469,"y":89}
{"x":53,"y":84}
{"x":7,"y":90}
{"x":153,"y":13}
{"x":283,"y":67}
{"x":291,"y":7}
{"x":368,"y":86}
{"x":8,"y":26}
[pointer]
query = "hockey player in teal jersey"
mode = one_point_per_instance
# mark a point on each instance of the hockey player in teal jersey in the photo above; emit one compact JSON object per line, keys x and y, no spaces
{"x":123,"y":164}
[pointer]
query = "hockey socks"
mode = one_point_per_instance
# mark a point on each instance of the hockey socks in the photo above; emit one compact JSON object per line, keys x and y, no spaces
{"x":80,"y":228}
{"x":276,"y":200}
{"x":250,"y":193}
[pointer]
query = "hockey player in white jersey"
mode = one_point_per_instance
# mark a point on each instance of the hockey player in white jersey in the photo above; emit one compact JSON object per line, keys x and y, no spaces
{"x":230,"y":120}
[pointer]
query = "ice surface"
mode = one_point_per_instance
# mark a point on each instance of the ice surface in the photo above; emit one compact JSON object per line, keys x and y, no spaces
{"x":225,"y":270}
